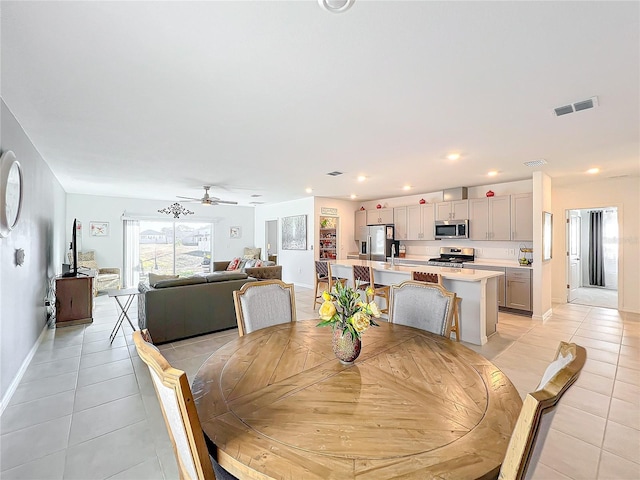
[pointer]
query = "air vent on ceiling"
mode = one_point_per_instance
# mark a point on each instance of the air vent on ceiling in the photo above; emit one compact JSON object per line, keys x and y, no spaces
{"x":536,"y":163}
{"x":334,"y":173}
{"x":576,"y":107}
{"x":256,"y":195}
{"x":256,"y":203}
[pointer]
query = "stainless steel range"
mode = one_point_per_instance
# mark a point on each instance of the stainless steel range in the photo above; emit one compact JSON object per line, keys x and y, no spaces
{"x":453,"y":257}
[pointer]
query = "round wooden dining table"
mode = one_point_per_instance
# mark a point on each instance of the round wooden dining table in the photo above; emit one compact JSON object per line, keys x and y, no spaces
{"x":279,"y":405}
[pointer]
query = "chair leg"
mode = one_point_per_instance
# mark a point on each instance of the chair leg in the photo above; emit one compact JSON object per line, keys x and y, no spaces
{"x":318,"y":296}
{"x":455,"y":325}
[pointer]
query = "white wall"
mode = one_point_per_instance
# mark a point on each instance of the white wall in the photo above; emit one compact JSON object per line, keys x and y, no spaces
{"x":109,"y":250}
{"x":542,"y":272}
{"x":40,"y":232}
{"x":623,"y":193}
{"x":297,"y":265}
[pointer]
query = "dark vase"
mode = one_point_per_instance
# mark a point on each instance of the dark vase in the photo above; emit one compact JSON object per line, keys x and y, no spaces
{"x":345,"y":347}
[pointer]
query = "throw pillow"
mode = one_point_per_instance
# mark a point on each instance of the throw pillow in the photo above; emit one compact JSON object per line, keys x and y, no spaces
{"x":258,"y":263}
{"x":233,"y":264}
{"x":155,"y":278}
{"x":254,"y":252}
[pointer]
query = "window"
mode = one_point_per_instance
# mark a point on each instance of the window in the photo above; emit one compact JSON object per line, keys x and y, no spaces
{"x":167,"y":248}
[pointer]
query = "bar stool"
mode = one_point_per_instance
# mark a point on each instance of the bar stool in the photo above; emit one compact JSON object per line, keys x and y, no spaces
{"x":437,"y":278}
{"x":363,"y":278}
{"x":324,"y":281}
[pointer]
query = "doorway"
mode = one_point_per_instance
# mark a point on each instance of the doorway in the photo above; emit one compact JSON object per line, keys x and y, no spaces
{"x":271,"y":240}
{"x":592,"y":257}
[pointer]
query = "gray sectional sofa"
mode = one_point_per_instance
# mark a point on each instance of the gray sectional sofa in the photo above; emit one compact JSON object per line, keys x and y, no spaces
{"x":185,"y":307}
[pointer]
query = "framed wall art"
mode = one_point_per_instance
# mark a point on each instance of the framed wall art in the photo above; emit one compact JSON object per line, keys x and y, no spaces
{"x":234,"y":232}
{"x":547,"y":235}
{"x":99,"y":229}
{"x":294,"y":233}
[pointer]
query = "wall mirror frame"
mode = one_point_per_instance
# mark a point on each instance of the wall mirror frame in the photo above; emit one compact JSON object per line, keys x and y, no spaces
{"x":547,"y":235}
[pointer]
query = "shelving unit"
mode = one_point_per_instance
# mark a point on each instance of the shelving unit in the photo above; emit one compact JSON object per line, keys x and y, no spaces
{"x":328,"y":238}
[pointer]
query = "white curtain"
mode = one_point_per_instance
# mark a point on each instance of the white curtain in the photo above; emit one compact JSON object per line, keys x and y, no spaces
{"x":131,"y":252}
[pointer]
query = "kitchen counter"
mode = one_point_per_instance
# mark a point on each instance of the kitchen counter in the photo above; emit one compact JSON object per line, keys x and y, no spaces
{"x":477,"y":288}
{"x":489,"y":262}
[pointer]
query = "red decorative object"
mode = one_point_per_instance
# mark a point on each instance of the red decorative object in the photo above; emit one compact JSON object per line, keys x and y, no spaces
{"x":362,"y":208}
{"x":490,"y":193}
{"x":422,"y":201}
{"x":378,"y":206}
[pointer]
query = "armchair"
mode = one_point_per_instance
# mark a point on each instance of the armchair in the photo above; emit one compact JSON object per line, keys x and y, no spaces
{"x":105,"y":279}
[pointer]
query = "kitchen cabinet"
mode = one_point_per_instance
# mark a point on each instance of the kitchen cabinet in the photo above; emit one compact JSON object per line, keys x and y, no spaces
{"x":522,"y":217}
{"x":380,"y":216}
{"x":490,"y":218}
{"x":453,"y":210}
{"x":518,"y":289}
{"x":360,"y":221}
{"x":400,"y":223}
{"x":420,"y":220}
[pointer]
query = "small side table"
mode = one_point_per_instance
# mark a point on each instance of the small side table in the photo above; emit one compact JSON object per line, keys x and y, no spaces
{"x":130,"y":294}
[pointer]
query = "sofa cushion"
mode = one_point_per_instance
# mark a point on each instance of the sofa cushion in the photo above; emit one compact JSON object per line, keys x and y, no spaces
{"x":179,"y":282}
{"x":233,"y":264}
{"x":225,"y":276}
{"x":253,"y":252}
{"x":155,"y":278}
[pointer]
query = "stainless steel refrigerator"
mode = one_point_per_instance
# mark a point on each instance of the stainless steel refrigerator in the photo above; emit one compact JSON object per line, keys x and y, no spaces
{"x":378,"y":242}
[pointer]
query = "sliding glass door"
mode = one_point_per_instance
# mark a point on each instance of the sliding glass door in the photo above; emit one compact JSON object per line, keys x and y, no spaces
{"x":169,"y":248}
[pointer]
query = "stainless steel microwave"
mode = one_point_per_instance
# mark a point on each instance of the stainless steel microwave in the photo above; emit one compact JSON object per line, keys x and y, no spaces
{"x":451,"y":229}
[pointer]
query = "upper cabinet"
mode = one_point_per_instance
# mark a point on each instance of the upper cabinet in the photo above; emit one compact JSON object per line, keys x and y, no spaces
{"x":360,"y":221}
{"x":489,"y":218}
{"x":400,"y":223}
{"x":380,"y":216}
{"x":522,"y":217}
{"x":420,"y":222}
{"x":454,"y":210}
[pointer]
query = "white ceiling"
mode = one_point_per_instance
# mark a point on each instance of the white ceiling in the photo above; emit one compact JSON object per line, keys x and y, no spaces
{"x":155,"y":99}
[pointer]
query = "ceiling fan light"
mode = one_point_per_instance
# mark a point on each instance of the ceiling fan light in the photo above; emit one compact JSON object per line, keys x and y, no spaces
{"x":336,"y":6}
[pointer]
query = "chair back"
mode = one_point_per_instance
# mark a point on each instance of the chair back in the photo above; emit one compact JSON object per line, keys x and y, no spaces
{"x":426,"y":277}
{"x":263,"y":304}
{"x":362,"y":275}
{"x":179,"y":411}
{"x":559,"y":376}
{"x":427,"y":306}
{"x":322,"y":270}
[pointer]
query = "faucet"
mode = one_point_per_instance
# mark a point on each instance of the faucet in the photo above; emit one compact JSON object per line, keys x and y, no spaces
{"x":393,"y":253}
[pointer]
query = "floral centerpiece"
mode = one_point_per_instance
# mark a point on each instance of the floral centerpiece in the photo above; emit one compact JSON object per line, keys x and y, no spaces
{"x":349,"y":317}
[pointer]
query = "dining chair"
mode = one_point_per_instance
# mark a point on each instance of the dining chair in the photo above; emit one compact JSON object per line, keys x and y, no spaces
{"x":427,"y":306}
{"x":263,"y":304}
{"x":535,"y":416}
{"x":180,"y":415}
{"x":363,"y":278}
{"x":437,"y":278}
{"x":324,"y":281}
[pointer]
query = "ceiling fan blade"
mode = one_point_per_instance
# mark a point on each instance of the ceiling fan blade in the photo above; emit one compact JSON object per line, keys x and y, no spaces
{"x":189,"y":198}
{"x":226,"y":201}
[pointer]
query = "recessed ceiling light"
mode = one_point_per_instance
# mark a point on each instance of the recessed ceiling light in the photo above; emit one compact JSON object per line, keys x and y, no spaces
{"x":361,"y":178}
{"x":492,"y":173}
{"x":406,"y":187}
{"x":593,"y":170}
{"x":453,"y":156}
{"x":308,"y":190}
{"x":353,"y":195}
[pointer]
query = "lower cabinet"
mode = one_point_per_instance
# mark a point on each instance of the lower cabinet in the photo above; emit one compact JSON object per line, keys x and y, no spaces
{"x":501,"y":282}
{"x":519,"y":289}
{"x":74,"y":300}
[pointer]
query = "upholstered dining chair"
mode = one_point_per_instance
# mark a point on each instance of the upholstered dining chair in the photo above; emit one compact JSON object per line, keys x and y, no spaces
{"x":263,"y":304}
{"x":533,"y":422}
{"x":324,"y":281}
{"x":428,"y":306}
{"x":363,"y":278}
{"x":180,"y":415}
{"x":437,"y":278}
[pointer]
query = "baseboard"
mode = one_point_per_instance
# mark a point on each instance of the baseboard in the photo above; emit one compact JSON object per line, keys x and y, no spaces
{"x":23,"y":368}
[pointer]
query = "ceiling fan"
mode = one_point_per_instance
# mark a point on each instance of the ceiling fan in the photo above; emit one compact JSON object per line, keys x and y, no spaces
{"x":207,"y":199}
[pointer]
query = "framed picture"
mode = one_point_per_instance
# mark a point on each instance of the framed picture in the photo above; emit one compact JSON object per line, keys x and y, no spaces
{"x":99,"y":229}
{"x":234,"y":232}
{"x":547,"y":235}
{"x":294,"y":233}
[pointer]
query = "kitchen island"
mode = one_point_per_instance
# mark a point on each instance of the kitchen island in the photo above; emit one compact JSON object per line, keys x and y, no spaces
{"x":477,"y":288}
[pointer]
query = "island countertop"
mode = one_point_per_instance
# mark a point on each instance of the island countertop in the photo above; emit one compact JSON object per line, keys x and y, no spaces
{"x":463,"y":274}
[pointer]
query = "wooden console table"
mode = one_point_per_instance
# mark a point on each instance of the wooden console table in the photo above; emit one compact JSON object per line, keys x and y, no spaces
{"x":74,"y":300}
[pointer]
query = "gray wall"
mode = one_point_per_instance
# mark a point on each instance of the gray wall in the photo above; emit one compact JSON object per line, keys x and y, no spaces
{"x":41,"y":233}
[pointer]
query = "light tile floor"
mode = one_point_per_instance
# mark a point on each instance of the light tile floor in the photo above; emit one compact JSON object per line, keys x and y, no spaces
{"x":86,"y":409}
{"x":596,"y":297}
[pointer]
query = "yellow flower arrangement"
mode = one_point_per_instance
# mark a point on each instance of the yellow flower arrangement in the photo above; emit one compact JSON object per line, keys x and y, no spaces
{"x":342,"y":309}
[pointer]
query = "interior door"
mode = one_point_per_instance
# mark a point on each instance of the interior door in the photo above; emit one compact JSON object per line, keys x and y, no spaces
{"x":573,"y":254}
